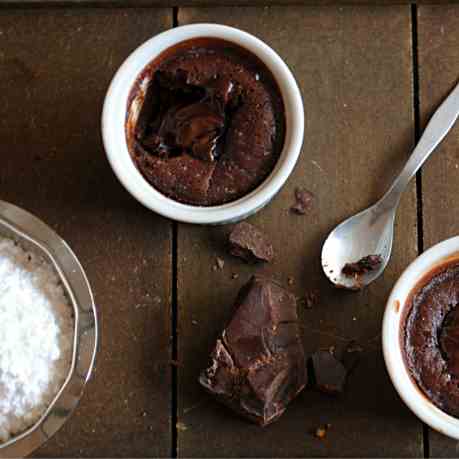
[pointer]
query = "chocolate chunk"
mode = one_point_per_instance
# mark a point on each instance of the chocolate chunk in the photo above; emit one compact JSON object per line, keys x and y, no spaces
{"x":303,"y":201}
{"x":258,"y":364}
{"x":363,"y":266}
{"x":329,"y":372}
{"x":250,"y":244}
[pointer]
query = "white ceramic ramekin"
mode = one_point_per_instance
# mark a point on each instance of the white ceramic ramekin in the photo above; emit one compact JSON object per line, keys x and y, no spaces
{"x":393,"y":317}
{"x":114,"y":117}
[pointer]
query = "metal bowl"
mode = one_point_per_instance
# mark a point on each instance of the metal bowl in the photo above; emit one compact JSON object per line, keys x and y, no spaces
{"x":32,"y":234}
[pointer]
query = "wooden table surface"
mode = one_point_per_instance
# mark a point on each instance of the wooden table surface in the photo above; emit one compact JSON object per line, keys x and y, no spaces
{"x":370,"y":76}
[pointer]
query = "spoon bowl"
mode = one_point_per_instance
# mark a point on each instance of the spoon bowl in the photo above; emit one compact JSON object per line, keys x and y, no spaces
{"x":370,"y":232}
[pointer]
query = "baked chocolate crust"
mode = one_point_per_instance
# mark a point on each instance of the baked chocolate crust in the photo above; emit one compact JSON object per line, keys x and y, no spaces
{"x":211,"y":125}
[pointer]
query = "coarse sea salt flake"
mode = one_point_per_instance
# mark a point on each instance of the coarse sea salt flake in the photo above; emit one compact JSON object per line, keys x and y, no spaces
{"x":36,"y":332}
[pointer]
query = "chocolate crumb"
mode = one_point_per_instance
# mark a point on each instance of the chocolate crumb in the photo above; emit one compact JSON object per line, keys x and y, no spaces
{"x":363,"y":266}
{"x":181,"y":427}
{"x":250,"y":244}
{"x":220,"y":263}
{"x":290,"y":281}
{"x":235,"y":276}
{"x":156,"y":299}
{"x":310,"y":299}
{"x":321,"y":431}
{"x":303,"y":201}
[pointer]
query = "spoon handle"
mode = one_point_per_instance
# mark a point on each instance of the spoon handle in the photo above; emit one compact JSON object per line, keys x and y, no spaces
{"x":437,"y":128}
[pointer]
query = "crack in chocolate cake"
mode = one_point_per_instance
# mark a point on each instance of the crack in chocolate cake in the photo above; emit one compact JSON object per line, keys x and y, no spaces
{"x":210,"y":127}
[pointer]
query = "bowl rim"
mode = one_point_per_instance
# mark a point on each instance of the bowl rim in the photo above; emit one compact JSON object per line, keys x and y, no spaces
{"x":22,"y":225}
{"x":114,"y":138}
{"x":394,"y":313}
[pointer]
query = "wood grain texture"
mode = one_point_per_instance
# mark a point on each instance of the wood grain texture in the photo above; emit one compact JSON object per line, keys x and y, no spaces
{"x":438,"y":72}
{"x":162,"y":3}
{"x":353,"y":65}
{"x":55,"y":66}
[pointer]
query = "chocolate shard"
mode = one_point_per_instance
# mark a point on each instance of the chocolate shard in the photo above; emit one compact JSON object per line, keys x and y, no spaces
{"x":250,"y":244}
{"x":303,"y":201}
{"x":363,"y":266}
{"x":330,"y":374}
{"x":258,"y":364}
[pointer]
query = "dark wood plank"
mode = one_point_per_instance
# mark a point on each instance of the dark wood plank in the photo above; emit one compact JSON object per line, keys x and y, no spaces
{"x":438,"y":71}
{"x":55,"y":66}
{"x":354,"y":68}
{"x":125,"y":3}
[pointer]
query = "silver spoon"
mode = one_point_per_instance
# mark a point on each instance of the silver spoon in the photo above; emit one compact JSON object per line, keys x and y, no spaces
{"x":371,"y":231}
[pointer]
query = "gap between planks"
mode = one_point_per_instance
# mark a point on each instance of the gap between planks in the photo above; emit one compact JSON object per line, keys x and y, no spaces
{"x":417,"y":135}
{"x":174,"y":396}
